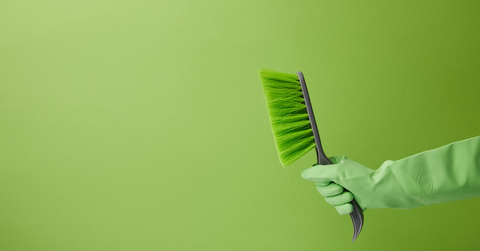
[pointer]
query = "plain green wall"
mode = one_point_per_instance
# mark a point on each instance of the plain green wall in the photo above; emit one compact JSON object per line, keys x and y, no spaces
{"x":141,"y":125}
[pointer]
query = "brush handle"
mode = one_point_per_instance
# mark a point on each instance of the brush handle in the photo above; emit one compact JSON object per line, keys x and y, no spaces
{"x":357,"y":214}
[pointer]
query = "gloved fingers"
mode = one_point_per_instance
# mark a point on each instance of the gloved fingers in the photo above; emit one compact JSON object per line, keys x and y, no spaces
{"x":322,"y":184}
{"x":331,"y":189}
{"x":344,"y":209}
{"x":340,"y":199}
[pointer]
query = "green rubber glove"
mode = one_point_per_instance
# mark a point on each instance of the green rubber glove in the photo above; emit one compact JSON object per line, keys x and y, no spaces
{"x":444,"y":174}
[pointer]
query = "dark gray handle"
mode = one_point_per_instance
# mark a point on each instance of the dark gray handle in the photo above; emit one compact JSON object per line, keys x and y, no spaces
{"x":357,"y":213}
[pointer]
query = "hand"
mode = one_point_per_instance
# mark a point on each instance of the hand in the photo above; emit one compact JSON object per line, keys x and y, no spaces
{"x":444,"y":174}
{"x":332,"y":180}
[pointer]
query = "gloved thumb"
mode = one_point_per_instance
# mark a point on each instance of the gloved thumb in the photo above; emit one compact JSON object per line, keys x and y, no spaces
{"x":322,"y":175}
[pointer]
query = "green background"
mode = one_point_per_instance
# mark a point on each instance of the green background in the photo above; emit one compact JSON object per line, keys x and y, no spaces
{"x":141,"y":125}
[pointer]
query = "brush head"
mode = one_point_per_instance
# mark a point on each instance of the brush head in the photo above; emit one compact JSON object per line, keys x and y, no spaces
{"x":288,"y":115}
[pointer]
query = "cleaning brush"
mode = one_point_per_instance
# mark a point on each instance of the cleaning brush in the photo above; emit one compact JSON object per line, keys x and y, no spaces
{"x":294,"y":126}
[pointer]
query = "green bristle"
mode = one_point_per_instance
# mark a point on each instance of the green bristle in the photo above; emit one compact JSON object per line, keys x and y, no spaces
{"x":288,"y":115}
